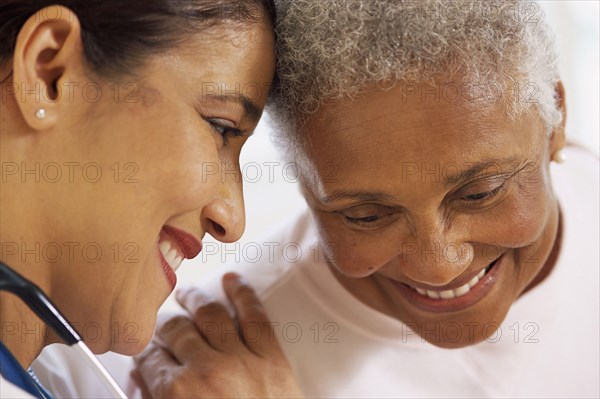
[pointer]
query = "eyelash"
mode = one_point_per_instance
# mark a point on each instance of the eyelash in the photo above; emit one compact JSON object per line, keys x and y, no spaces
{"x":366,"y":220}
{"x":485,"y":195}
{"x":375,"y":218}
{"x":225,"y":131}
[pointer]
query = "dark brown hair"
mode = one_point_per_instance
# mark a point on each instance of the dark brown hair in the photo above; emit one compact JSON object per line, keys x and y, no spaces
{"x":118,"y":35}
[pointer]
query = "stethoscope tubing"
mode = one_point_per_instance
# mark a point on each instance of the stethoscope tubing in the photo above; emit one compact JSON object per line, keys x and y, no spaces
{"x":43,"y":307}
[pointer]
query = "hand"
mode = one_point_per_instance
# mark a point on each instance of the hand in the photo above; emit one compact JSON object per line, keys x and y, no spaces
{"x":211,"y":356}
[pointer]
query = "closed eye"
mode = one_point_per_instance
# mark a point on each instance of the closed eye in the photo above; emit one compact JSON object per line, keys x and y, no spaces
{"x":368,"y":219}
{"x":221,"y":127}
{"x":369,"y":216}
{"x":484,"y":195}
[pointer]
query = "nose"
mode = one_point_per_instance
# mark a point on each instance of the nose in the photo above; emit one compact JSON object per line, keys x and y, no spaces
{"x":224,"y":217}
{"x":437,"y":253}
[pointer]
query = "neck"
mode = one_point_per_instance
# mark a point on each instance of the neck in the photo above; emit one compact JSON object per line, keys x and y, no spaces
{"x":22,"y":332}
{"x":21,"y":249}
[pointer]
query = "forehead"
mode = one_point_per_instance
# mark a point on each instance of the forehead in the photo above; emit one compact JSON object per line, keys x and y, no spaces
{"x":385,"y":126}
{"x":225,"y":60}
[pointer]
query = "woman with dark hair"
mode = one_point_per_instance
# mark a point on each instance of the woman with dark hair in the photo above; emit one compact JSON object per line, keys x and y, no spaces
{"x":110,"y":114}
{"x":449,"y":246}
{"x":446,"y":249}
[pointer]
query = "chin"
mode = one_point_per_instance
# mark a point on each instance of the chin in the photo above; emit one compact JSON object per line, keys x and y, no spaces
{"x":131,"y":348}
{"x":129,"y":338}
{"x":128,"y":349}
{"x":462,"y":343}
{"x":471,"y":333}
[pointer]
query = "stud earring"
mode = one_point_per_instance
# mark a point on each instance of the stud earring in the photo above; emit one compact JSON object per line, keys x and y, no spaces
{"x":40,"y":113}
{"x":559,"y":156}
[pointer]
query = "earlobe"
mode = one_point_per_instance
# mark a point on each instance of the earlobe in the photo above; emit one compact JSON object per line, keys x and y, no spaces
{"x":46,"y":48}
{"x":558,"y":138}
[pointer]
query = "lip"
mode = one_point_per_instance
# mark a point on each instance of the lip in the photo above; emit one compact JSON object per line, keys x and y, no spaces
{"x":189,"y":245}
{"x":475,"y":294}
{"x":169,"y":273}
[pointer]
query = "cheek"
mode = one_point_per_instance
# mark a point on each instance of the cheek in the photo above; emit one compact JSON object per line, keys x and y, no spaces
{"x":190,"y":171}
{"x":522,"y":218}
{"x":168,"y":142}
{"x":352,"y":254}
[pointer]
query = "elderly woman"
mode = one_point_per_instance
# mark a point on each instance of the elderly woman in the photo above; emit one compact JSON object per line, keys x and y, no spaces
{"x":425,"y":133}
{"x":105,"y":122}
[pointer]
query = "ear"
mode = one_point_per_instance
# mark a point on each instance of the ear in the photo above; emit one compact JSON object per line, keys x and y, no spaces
{"x":46,"y":50}
{"x":558,"y":137}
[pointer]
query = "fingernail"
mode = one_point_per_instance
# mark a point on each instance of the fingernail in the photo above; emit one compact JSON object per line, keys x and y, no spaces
{"x":232,"y":277}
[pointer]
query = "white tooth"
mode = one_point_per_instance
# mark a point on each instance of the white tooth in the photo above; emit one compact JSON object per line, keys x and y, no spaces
{"x":447,"y":294}
{"x":460,"y":291}
{"x":178,"y":261}
{"x":170,"y":258}
{"x":473,"y":281}
{"x":481,"y":273}
{"x":164,"y":247}
{"x":433,"y":294}
{"x":421,"y":291}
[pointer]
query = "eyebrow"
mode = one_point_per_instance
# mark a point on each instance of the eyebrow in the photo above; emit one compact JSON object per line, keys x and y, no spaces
{"x":358,"y":195}
{"x":475,"y":170}
{"x":250,"y":108}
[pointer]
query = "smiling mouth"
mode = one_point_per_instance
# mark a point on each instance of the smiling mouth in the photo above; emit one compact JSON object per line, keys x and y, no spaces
{"x":174,"y":246}
{"x":457,"y":292}
{"x":171,"y":254}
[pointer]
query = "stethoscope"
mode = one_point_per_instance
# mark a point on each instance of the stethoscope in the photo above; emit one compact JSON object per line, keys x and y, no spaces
{"x":38,"y":302}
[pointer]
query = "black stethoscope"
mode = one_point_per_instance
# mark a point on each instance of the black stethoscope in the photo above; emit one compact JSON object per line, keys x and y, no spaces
{"x":39,"y":303}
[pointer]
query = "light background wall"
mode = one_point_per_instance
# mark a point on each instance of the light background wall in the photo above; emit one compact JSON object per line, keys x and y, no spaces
{"x":575,"y":25}
{"x":270,"y":190}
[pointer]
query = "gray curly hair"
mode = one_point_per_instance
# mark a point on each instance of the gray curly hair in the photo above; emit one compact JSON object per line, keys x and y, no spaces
{"x":331,"y":49}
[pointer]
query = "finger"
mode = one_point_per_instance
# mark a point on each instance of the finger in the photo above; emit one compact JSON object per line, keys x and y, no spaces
{"x":212,"y":319}
{"x":179,"y":336}
{"x":255,"y":327}
{"x":139,"y":381}
{"x":154,"y":366}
